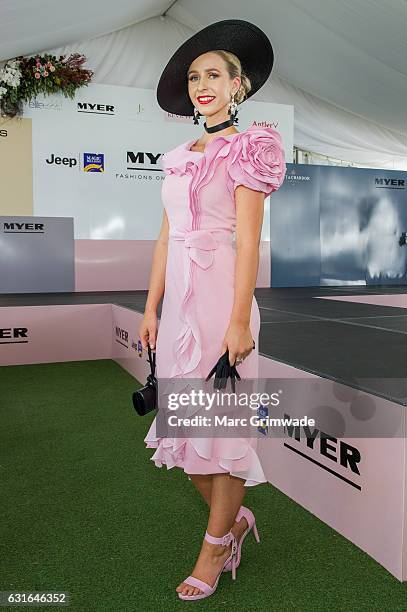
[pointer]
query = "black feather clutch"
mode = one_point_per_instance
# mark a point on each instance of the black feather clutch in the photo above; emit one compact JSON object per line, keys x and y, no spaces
{"x":223,"y":370}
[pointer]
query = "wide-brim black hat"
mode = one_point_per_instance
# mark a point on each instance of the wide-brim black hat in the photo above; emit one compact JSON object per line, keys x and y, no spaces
{"x":244,"y":39}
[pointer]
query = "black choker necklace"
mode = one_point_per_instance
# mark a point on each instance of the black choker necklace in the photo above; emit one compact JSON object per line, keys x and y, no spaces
{"x":220,"y":126}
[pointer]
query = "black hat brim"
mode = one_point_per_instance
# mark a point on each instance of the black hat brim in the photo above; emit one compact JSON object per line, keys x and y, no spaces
{"x":248,"y":42}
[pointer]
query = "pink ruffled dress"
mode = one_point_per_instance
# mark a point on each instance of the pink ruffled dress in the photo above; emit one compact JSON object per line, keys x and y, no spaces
{"x":198,"y":196}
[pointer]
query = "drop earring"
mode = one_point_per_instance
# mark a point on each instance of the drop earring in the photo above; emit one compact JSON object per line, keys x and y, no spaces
{"x":233,"y":109}
{"x":197,"y":114}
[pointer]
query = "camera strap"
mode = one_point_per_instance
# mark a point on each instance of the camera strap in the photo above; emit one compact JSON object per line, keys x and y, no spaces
{"x":151,"y":379}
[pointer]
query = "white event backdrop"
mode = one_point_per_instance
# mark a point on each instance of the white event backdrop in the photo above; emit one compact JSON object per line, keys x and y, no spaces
{"x":96,"y":158}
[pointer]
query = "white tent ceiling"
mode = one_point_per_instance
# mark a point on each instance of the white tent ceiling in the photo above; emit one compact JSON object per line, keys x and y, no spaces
{"x":341,"y":64}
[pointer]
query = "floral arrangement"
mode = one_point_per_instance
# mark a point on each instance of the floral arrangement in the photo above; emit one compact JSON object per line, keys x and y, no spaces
{"x":23,"y":78}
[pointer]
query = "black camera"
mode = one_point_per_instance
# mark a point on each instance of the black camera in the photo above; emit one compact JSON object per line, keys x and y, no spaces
{"x":145,"y":399}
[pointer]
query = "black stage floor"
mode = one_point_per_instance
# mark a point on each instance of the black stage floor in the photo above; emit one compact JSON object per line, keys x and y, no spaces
{"x":342,"y":341}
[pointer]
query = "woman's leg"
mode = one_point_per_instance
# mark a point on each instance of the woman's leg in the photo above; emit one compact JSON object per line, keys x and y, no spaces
{"x":203,"y":484}
{"x":226,"y":498}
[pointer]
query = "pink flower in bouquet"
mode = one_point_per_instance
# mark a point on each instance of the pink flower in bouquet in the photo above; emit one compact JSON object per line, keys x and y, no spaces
{"x":37,"y":75}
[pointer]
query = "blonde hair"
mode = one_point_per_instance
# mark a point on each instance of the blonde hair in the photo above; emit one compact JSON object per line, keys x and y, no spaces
{"x":234,"y":69}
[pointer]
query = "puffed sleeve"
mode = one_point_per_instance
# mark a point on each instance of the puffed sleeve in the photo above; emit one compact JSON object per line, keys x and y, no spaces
{"x":256,"y":159}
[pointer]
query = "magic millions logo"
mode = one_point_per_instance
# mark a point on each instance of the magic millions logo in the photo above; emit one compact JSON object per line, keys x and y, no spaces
{"x":93,"y":162}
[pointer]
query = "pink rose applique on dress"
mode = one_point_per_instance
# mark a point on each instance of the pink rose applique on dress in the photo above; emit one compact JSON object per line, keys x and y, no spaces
{"x":257,"y":160}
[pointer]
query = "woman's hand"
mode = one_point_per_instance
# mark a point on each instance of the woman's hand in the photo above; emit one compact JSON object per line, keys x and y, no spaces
{"x":238,"y":339}
{"x":148,"y":329}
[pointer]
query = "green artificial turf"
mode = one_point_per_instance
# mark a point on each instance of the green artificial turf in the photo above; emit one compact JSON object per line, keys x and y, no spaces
{"x":84,"y":510}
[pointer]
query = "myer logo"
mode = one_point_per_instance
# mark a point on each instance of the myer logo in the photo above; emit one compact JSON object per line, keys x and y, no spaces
{"x":10,"y":227}
{"x":62,"y":161}
{"x":13,"y":335}
{"x":142,"y":160}
{"x":98,"y":109}
{"x":328,"y":446}
{"x":122,"y":336}
{"x":383,"y":183}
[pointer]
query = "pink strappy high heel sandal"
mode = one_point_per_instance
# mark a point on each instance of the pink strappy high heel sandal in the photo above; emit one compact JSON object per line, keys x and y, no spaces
{"x":204,"y":586}
{"x":251,"y":521}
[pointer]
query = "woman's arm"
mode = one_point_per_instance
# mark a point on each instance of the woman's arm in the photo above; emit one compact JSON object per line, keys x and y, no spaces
{"x":249,"y":220}
{"x":157,"y":276}
{"x":148,"y":327}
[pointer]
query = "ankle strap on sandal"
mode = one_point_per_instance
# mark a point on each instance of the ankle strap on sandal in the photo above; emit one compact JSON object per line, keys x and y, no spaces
{"x":224,"y":540}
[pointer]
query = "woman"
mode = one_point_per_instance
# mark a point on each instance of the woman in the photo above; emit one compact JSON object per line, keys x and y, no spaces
{"x":213,"y":186}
